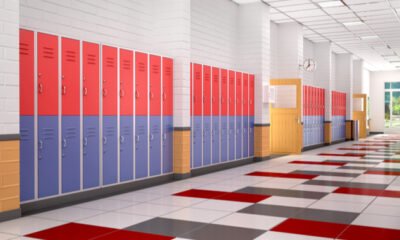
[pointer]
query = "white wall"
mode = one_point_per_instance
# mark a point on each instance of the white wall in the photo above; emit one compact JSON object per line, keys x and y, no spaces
{"x":215,"y":33}
{"x":9,"y":67}
{"x":308,"y":77}
{"x":377,"y":97}
{"x":274,"y":50}
{"x":344,"y":80}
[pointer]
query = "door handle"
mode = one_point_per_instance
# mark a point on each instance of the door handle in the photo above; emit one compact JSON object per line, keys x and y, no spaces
{"x":85,"y":141}
{"x":122,"y":139}
{"x":104,"y":92}
{"x":137,"y":93}
{"x":104,"y":140}
{"x":151,"y":137}
{"x":122,"y":93}
{"x":165,"y":136}
{"x":85,"y":91}
{"x":40,"y":144}
{"x":40,"y":87}
{"x":64,"y":90}
{"x":164,"y":96}
{"x":137,"y":138}
{"x":64,"y":143}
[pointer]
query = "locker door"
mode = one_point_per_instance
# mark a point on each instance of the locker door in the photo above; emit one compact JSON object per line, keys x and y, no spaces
{"x":126,"y":111}
{"x":26,"y":65}
{"x":224,"y":115}
{"x":305,"y":116}
{"x":155,"y":115}
{"x":26,"y":61}
{"x":251,"y":119}
{"x":141,"y":115}
{"x":245,"y":114}
{"x":207,"y":115}
{"x":232,"y":117}
{"x":215,"y":101}
{"x":70,"y":92}
{"x":48,"y":92}
{"x":198,"y":112}
{"x":91,"y":88}
{"x":239,"y":120}
{"x":167,"y":104}
{"x":110,"y":134}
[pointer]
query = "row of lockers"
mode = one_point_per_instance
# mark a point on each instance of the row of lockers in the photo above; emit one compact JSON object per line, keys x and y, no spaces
{"x":313,"y":101}
{"x":222,"y":109}
{"x":338,"y":103}
{"x":216,"y":91}
{"x":91,"y":115}
{"x":313,"y":115}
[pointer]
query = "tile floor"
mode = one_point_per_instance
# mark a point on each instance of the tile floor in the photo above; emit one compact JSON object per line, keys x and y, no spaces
{"x":344,"y":191}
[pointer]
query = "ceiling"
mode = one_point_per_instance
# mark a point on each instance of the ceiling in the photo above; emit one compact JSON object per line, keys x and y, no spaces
{"x":369,"y":29}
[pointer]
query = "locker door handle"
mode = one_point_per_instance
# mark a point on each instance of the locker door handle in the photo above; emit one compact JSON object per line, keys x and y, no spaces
{"x":40,"y":87}
{"x":122,"y":93}
{"x":165,"y":136}
{"x":151,"y":137}
{"x":64,"y":90}
{"x":104,"y":140}
{"x":85,"y":141}
{"x":122,"y":139}
{"x":85,"y":91}
{"x":64,"y":143}
{"x":137,"y":93}
{"x":137,"y":138}
{"x":40,"y":144}
{"x":105,"y":92}
{"x":164,"y":96}
{"x":151,"y":95}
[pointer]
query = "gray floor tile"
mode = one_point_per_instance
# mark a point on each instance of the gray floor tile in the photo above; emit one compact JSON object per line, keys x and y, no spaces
{"x":334,"y":174}
{"x":326,"y":216}
{"x":386,"y":169}
{"x":349,"y":161}
{"x":346,"y":184}
{"x":166,"y":227}
{"x":354,"y":167}
{"x":283,"y":192}
{"x":272,"y":210}
{"x":219,"y":232}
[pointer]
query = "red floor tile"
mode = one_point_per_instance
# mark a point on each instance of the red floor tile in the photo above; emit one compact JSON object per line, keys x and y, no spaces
{"x":318,"y":163}
{"x":310,"y":228}
{"x":359,"y":149}
{"x":242,"y":197}
{"x":343,"y":155}
{"x":391,"y":161}
{"x":282,"y":175}
{"x":128,"y":235}
{"x":72,"y":231}
{"x":383,"y":173}
{"x":198,"y":193}
{"x":389,"y":193}
{"x":359,"y":191}
{"x":227,"y":196}
{"x":369,"y":233}
{"x":375,"y":145}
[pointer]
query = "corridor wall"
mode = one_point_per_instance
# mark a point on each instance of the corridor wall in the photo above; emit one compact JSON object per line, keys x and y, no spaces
{"x":222,"y":113}
{"x":92,"y":115}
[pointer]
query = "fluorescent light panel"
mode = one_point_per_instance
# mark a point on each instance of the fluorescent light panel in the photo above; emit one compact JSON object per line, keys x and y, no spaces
{"x":330,"y":4}
{"x":369,"y":37}
{"x":357,"y":23}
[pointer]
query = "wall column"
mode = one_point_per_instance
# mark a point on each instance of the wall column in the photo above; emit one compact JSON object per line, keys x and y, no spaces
{"x":254,"y":57}
{"x":9,"y":111}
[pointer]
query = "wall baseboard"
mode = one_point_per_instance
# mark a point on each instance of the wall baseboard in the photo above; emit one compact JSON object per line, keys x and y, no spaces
{"x":9,"y":215}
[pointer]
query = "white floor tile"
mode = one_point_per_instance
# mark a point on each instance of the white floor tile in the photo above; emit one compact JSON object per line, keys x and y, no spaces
{"x":383,"y":210}
{"x":219,"y":205}
{"x":333,"y":178}
{"x":288,"y":201}
{"x":371,"y":178}
{"x":277,"y":185}
{"x":26,"y":225}
{"x":69,"y":214}
{"x":339,"y":206}
{"x":373,"y":220}
{"x":287,"y":236}
{"x":148,"y":209}
{"x":348,"y":198}
{"x":115,"y":220}
{"x":250,"y":221}
{"x":177,"y":201}
{"x":387,"y":201}
{"x":106,"y":204}
{"x":136,"y":197}
{"x":197,"y":215}
{"x":4,"y":236}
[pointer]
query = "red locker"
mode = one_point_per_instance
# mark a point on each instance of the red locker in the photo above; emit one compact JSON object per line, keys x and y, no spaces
{"x":251,"y":94}
{"x":91,"y":82}
{"x":109,"y":80}
{"x":47,"y":74}
{"x":155,"y":85}
{"x":141,"y":93}
{"x":323,"y":102}
{"x":224,"y":92}
{"x":307,"y":101}
{"x":198,"y":90}
{"x":239,"y":96}
{"x":126,"y":82}
{"x":191,"y":89}
{"x":168,"y":88}
{"x":232,"y":86}
{"x":27,"y":72}
{"x":70,"y":88}
{"x":207,"y":90}
{"x":304,"y":100}
{"x":245,"y":94}
{"x":215,"y":91}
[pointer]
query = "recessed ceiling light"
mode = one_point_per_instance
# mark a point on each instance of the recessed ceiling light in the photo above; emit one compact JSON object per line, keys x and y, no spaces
{"x":369,"y":37}
{"x":330,"y":4}
{"x":357,"y":23}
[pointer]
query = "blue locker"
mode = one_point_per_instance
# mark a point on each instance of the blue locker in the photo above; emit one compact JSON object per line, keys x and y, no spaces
{"x":232,"y":133}
{"x":239,"y":137}
{"x":91,"y":155}
{"x":245,"y":133}
{"x":167,"y":143}
{"x":155,"y":145}
{"x":27,"y":159}
{"x":70,"y":146}
{"x":141,"y":147}
{"x":224,"y":138}
{"x":215,"y":139}
{"x":251,"y":136}
{"x":206,"y":140}
{"x":197,"y":141}
{"x":110,"y":148}
{"x":48,"y":155}
{"x":126,"y":148}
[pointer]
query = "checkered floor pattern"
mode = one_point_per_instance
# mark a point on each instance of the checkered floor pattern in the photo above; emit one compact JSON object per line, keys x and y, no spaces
{"x":344,"y":191}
